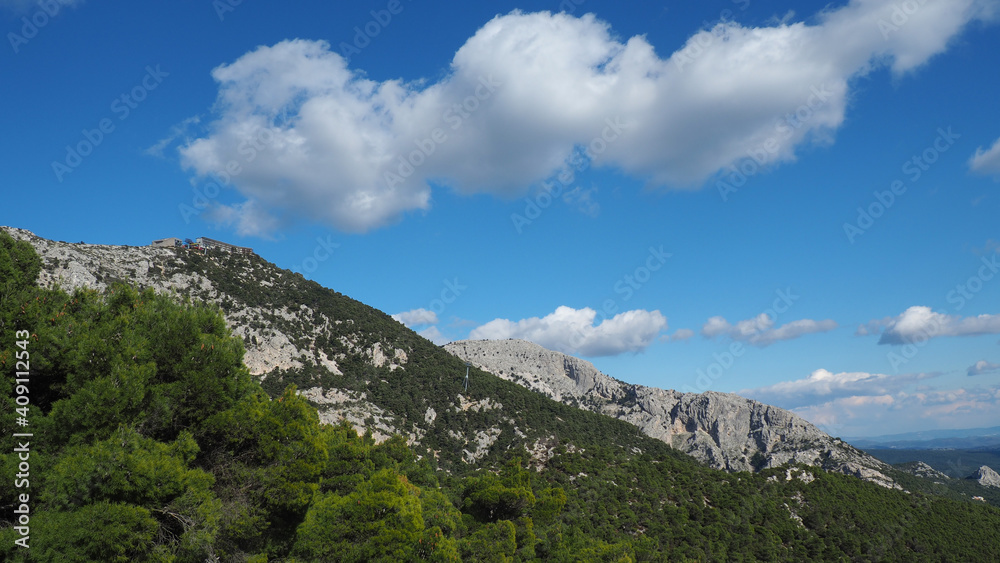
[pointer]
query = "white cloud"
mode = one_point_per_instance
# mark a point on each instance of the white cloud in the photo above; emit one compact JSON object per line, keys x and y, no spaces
{"x":868,"y":415}
{"x":313,"y":138}
{"x":982,"y":366}
{"x":920,"y":323}
{"x":986,"y":161}
{"x":681,"y":334}
{"x":823,"y":386}
{"x":417,"y":317}
{"x":434,"y":335}
{"x":572,"y":331}
{"x":760,"y":331}
{"x":875,"y":326}
{"x":249,"y":217}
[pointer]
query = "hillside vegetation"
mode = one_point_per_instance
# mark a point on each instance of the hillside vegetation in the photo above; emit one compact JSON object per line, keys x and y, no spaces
{"x":153,"y":442}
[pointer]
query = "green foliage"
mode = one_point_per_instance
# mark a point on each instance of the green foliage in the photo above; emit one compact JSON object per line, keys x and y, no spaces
{"x":19,"y":267}
{"x":490,"y":497}
{"x":494,"y":542}
{"x":103,"y":531}
{"x":380,"y":521}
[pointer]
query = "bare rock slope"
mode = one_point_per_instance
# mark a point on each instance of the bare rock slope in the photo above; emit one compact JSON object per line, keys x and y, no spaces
{"x":723,"y":430}
{"x":986,"y":477}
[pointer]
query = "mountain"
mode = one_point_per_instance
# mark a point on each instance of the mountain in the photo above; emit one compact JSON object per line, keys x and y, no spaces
{"x":351,"y":361}
{"x":159,"y":444}
{"x":294,"y":331}
{"x":723,"y":430}
{"x":986,"y":477}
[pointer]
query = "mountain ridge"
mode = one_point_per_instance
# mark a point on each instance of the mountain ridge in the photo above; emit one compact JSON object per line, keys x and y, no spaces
{"x":723,"y":430}
{"x":295,"y":343}
{"x":350,"y":360}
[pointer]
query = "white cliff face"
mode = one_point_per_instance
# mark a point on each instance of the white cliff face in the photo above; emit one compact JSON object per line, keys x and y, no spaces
{"x":986,"y":477}
{"x":722,"y":430}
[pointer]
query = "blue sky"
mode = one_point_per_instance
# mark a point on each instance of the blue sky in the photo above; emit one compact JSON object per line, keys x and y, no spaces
{"x":794,"y":201}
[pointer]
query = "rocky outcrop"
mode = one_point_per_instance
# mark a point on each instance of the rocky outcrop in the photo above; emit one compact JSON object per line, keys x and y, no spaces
{"x":723,"y":430}
{"x":921,"y":469}
{"x":986,"y":477}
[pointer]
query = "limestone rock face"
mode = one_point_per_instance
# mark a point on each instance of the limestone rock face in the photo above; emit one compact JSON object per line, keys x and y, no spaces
{"x":921,"y":469}
{"x":986,"y":477}
{"x":723,"y":430}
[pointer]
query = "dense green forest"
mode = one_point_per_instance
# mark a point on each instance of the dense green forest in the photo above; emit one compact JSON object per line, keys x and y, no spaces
{"x":150,"y":441}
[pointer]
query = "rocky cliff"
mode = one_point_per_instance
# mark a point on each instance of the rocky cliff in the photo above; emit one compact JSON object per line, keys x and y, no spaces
{"x":986,"y":477}
{"x":723,"y":430}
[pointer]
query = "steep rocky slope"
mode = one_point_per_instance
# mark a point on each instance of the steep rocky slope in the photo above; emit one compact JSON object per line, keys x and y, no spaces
{"x":351,"y":360}
{"x":723,"y":430}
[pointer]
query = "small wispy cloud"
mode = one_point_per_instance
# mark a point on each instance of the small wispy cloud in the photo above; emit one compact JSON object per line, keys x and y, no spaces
{"x":986,"y":161}
{"x":417,"y":317}
{"x":679,"y":334}
{"x":176,"y":132}
{"x":760,"y":330}
{"x":982,"y":366}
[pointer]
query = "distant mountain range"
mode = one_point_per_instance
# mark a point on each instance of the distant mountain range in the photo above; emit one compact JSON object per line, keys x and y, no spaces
{"x":963,"y":439}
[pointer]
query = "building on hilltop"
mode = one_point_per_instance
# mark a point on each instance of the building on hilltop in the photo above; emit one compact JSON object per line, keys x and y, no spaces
{"x":209,"y":244}
{"x":170,"y":242}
